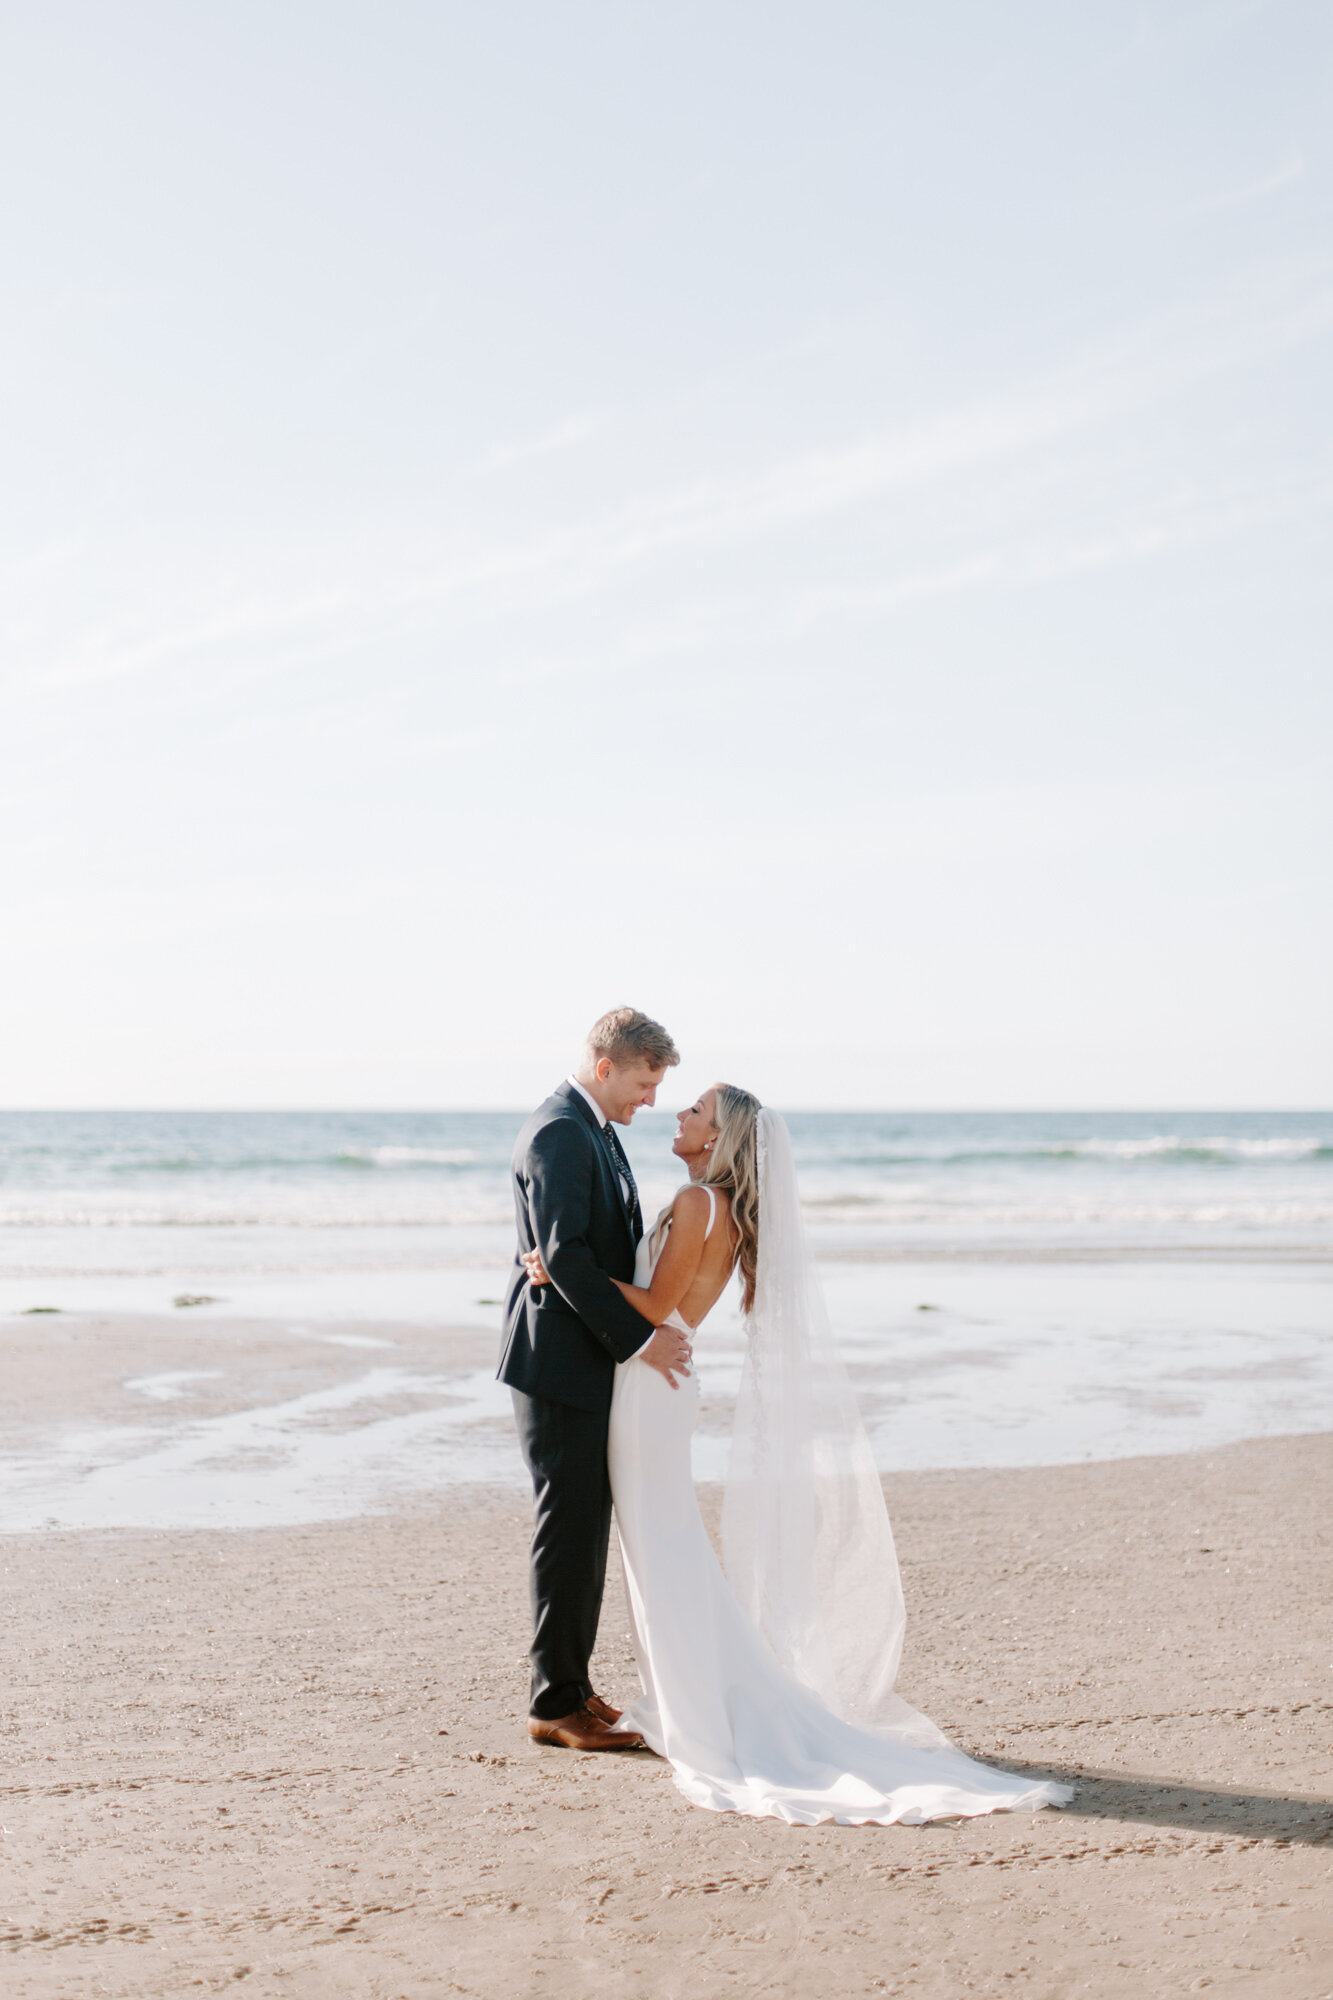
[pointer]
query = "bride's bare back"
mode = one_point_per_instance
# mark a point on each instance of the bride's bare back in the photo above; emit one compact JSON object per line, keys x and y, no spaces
{"x":694,"y":1263}
{"x":716,"y":1257}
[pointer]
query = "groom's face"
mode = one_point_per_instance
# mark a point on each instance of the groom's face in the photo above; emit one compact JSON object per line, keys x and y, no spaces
{"x":626,"y":1088}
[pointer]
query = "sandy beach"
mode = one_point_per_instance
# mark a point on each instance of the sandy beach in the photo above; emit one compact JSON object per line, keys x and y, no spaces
{"x":291,"y":1759}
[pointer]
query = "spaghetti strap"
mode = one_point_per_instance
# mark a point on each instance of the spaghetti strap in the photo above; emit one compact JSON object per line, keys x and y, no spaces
{"x":712,"y":1212}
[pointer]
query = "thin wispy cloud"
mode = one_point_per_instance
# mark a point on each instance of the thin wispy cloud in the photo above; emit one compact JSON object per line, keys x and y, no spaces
{"x":1284,"y":176}
{"x":381,"y":591}
{"x":574,"y":430}
{"x":1190,"y":519}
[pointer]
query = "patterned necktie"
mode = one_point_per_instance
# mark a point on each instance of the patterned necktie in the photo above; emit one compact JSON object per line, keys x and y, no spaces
{"x":622,"y":1167}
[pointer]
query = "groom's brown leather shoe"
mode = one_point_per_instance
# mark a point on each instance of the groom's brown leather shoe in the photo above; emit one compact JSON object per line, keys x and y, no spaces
{"x":581,"y":1731}
{"x":602,"y":1709}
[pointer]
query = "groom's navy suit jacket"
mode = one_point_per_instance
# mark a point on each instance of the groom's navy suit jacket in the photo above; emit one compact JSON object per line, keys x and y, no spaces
{"x":562,"y":1341}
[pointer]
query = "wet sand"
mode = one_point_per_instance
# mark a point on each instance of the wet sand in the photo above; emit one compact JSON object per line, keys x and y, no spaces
{"x":291,"y":1761}
{"x":202,"y":1417}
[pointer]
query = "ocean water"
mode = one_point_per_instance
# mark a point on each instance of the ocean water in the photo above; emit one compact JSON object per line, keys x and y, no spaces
{"x":125,"y":1193}
{"x":1009,"y":1289}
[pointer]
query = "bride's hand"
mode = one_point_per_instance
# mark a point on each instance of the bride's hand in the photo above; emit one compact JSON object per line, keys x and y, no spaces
{"x":536,"y":1270}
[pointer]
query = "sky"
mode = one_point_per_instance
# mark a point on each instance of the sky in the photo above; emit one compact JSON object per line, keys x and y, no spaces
{"x":812,"y":520}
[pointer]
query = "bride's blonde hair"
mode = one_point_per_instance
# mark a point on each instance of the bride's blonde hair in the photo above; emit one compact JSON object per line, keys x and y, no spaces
{"x":733,"y":1169}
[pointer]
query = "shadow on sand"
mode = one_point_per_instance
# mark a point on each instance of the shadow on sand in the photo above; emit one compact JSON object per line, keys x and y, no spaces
{"x":1187,"y":1808}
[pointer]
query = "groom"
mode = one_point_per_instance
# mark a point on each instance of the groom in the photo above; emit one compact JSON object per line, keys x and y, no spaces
{"x":575,"y":1201}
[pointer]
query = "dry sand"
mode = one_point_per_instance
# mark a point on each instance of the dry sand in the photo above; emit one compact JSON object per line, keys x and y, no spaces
{"x":292,"y":1762}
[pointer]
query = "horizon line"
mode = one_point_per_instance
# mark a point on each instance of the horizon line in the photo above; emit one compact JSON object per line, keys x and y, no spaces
{"x":823,"y":1110}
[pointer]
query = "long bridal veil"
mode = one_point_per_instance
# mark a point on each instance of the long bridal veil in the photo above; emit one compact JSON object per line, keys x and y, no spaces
{"x":806,"y":1539}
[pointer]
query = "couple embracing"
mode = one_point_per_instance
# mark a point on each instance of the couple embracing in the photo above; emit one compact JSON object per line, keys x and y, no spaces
{"x":768,"y":1687}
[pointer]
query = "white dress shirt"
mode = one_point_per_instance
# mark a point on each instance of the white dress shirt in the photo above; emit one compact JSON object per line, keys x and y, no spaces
{"x":588,"y":1098}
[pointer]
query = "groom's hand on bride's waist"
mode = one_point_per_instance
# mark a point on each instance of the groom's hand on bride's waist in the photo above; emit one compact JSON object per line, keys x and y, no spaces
{"x":668,"y":1352}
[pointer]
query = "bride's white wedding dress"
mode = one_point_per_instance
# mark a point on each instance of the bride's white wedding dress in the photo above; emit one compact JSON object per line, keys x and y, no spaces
{"x":741,"y":1733}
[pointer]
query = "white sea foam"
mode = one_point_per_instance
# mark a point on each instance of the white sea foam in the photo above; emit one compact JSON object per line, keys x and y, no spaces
{"x":279,"y":1208}
{"x":411,"y":1156}
{"x":1165,"y":1146}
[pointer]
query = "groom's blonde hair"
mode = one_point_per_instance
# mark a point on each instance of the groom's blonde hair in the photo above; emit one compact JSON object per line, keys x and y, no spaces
{"x":627,"y":1036}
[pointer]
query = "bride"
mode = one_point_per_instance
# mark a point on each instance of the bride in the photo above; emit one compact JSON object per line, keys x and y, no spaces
{"x":770,"y":1688}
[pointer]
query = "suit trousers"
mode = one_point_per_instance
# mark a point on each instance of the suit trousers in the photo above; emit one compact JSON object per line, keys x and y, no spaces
{"x":564,"y":1449}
